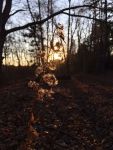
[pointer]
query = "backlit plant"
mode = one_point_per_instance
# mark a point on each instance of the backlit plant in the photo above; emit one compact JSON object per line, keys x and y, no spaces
{"x":45,"y":80}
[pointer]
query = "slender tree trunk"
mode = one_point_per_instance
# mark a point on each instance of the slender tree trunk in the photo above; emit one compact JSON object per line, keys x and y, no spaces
{"x":68,"y":43}
{"x":2,"y":41}
{"x":4,"y":15}
{"x":1,"y":34}
{"x":41,"y":29}
{"x":47,"y":31}
{"x":1,"y":5}
{"x":18,"y":58}
{"x":35,"y":26}
{"x":107,"y":48}
{"x":52,"y":19}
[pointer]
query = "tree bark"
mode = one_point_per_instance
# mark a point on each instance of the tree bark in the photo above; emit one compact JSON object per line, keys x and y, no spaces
{"x":68,"y":42}
{"x":4,"y":15}
{"x":41,"y":28}
{"x":2,"y":41}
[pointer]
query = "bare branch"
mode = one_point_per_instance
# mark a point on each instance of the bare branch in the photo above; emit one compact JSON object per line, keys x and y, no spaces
{"x":49,"y":17}
{"x":46,"y":19}
{"x":82,"y":16}
{"x":16,"y":12}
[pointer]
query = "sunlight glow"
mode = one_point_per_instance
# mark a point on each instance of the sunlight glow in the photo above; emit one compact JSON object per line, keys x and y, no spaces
{"x":55,"y":48}
{"x":57,"y":56}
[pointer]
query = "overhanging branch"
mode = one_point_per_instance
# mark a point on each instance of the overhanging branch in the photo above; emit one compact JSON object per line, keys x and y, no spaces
{"x":49,"y":17}
{"x":46,"y":19}
{"x":82,"y":16}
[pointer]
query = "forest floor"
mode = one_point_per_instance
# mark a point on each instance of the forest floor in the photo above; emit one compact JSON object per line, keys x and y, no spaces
{"x":80,"y":117}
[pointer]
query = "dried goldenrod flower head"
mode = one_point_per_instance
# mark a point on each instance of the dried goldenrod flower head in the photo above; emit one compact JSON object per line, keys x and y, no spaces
{"x":44,"y":93}
{"x":50,"y":79}
{"x":50,"y":93}
{"x":41,"y":94}
{"x":33,"y":84}
{"x":38,"y":71}
{"x":51,"y":66}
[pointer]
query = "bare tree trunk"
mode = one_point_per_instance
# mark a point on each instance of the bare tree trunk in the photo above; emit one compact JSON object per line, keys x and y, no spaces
{"x":2,"y":41}
{"x":1,"y":5}
{"x":4,"y":15}
{"x":18,"y":58}
{"x":47,"y":30}
{"x":68,"y":42}
{"x":35,"y":26}
{"x":41,"y":30}
{"x":52,"y":18}
{"x":107,"y":46}
{"x":1,"y":35}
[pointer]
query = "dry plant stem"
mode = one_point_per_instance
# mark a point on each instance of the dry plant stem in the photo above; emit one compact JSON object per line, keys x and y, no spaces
{"x":43,"y":89}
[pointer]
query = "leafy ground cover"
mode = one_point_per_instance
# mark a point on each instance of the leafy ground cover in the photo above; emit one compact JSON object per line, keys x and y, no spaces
{"x":80,"y":117}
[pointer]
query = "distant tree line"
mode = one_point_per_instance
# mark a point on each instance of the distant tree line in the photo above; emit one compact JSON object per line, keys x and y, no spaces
{"x":94,"y":45}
